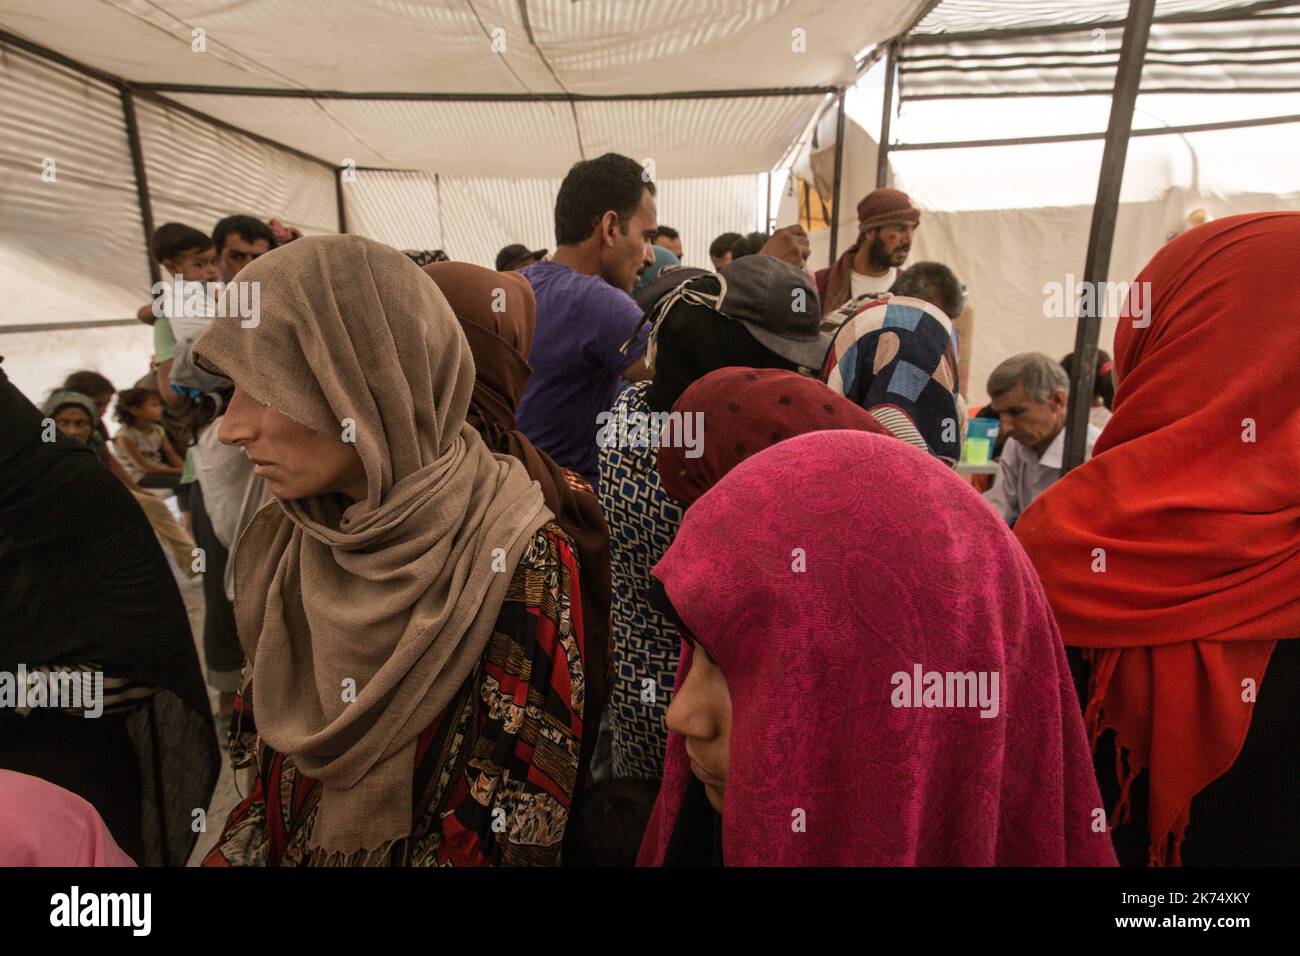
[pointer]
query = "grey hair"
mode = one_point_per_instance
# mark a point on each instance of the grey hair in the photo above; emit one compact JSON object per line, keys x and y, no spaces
{"x":1041,"y":375}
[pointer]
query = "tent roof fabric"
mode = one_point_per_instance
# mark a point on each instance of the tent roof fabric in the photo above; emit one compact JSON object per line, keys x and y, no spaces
{"x":505,"y":48}
{"x":1236,"y":49}
{"x":686,"y":138}
{"x":983,"y":16}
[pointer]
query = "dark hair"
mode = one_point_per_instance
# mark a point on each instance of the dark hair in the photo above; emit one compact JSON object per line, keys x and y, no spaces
{"x":693,"y":340}
{"x":173,"y":238}
{"x":248,"y":228}
{"x":720,"y":246}
{"x":594,"y":187}
{"x":607,"y":823}
{"x":130,"y":398}
{"x":1104,"y":384}
{"x":666,"y":232}
{"x":749,"y":245}
{"x":933,"y":282}
{"x":88,"y":383}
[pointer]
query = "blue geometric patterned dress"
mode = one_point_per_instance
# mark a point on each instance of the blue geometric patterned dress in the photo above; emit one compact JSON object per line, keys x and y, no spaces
{"x":643,"y":521}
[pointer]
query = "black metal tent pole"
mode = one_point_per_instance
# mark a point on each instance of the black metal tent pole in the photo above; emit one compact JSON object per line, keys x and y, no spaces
{"x":1101,"y":237}
{"x":886,"y":114}
{"x":1253,"y":11}
{"x":426,"y":97}
{"x":1084,"y":137}
{"x":839,"y":172}
{"x":338,"y":197}
{"x":767,"y":219}
{"x":141,"y":179}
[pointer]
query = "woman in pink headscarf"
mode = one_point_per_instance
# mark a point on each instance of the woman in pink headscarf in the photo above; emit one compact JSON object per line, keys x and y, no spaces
{"x":870,"y":675}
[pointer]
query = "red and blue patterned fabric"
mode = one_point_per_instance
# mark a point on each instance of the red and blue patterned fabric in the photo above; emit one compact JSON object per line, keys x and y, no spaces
{"x":896,"y":357}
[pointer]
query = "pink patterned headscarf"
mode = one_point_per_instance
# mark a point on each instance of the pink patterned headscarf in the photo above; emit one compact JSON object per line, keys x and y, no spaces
{"x":815,"y":574}
{"x":45,"y":825}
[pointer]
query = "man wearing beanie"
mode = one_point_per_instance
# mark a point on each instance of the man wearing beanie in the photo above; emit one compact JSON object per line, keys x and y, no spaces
{"x":886,"y":221}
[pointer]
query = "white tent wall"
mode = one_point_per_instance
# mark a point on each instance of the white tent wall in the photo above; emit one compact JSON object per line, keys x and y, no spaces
{"x":37,"y":362}
{"x":1008,"y":256}
{"x":72,"y":245}
{"x":703,"y":209}
{"x":482,"y":215}
{"x":71,"y":248}
{"x":397,"y":207}
{"x":70,"y":231}
{"x":472,"y":218}
{"x":200,"y":173}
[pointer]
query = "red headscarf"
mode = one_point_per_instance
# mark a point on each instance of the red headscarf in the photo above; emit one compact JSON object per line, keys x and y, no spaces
{"x":902,"y":564}
{"x":746,"y":410}
{"x":1191,"y":497}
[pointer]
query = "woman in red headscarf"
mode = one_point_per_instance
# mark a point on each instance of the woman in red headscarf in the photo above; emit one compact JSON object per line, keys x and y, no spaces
{"x":870,"y":674}
{"x":742,"y":411}
{"x":1172,"y":557}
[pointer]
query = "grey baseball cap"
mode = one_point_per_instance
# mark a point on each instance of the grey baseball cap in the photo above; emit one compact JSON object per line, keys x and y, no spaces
{"x":778,"y":303}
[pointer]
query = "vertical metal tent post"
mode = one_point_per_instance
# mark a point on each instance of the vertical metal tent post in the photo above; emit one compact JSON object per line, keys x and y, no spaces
{"x":338,"y":198}
{"x":767,"y":219}
{"x":839,"y":170}
{"x":1128,"y":79}
{"x":886,"y":114}
{"x":141,"y":180}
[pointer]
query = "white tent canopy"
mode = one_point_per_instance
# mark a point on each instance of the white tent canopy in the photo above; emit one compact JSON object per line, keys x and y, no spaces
{"x":421,"y":124}
{"x":489,"y":87}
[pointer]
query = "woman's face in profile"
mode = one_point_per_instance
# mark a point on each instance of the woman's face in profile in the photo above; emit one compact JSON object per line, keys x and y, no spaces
{"x":701,"y":713}
{"x":295,"y":461}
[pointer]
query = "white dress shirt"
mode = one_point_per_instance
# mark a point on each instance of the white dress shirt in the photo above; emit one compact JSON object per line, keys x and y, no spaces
{"x":1023,"y":475}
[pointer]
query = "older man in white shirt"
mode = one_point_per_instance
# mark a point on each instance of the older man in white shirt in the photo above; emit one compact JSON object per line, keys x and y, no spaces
{"x":1030,"y":396}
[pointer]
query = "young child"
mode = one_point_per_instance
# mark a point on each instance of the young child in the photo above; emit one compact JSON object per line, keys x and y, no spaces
{"x":186,"y":253}
{"x":141,"y":444}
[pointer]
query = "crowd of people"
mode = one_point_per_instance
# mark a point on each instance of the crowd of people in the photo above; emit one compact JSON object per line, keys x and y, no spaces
{"x":600,"y":559}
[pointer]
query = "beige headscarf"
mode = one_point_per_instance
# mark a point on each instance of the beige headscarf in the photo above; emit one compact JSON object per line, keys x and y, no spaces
{"x":396,"y":595}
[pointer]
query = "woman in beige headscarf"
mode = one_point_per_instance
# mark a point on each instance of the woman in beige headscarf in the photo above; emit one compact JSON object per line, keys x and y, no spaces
{"x":411,"y":614}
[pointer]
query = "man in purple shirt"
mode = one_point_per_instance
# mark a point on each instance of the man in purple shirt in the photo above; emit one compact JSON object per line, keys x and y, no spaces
{"x":605,"y":225}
